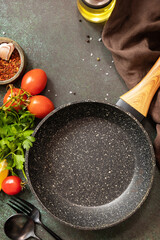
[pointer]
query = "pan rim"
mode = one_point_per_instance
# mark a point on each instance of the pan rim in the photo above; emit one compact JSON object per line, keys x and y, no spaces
{"x":146,"y":193}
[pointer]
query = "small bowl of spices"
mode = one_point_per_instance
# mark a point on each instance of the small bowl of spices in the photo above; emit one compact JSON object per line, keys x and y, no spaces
{"x":12,"y":61}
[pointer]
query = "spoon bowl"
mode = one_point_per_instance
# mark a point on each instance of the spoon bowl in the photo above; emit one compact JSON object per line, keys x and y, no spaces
{"x":19,"y":227}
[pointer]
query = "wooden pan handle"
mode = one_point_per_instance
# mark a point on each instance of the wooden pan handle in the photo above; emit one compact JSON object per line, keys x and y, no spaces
{"x":141,"y":95}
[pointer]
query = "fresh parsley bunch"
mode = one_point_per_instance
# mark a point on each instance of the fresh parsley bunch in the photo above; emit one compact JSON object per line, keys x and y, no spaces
{"x":15,"y":137}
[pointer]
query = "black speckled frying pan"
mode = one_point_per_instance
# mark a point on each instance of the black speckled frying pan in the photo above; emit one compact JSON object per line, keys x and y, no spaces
{"x":92,"y":164}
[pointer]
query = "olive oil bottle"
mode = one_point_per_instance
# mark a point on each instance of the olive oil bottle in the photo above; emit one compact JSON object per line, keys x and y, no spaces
{"x":96,"y":11}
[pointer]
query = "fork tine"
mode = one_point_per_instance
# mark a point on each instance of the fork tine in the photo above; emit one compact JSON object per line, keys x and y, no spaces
{"x":27,"y":203}
{"x":21,"y":203}
{"x":14,"y":208}
{"x":18,"y":207}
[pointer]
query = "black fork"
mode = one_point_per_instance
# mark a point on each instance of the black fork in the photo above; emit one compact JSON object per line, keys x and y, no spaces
{"x":22,"y":206}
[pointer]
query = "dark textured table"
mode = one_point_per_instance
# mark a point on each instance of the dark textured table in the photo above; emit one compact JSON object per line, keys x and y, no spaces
{"x":54,"y":37}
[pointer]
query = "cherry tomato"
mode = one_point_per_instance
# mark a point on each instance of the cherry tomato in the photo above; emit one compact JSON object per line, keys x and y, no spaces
{"x":11,"y":185}
{"x":11,"y":93}
{"x":40,"y":106}
{"x":34,"y":81}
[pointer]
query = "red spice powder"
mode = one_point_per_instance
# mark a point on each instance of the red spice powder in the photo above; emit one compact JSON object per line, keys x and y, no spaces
{"x":9,"y":68}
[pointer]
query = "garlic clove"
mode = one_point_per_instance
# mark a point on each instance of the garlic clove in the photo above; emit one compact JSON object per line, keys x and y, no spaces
{"x":6,"y":50}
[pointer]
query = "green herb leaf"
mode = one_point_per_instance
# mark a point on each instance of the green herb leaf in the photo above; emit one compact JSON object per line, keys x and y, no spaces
{"x":15,"y":137}
{"x":27,"y":144}
{"x":18,"y":161}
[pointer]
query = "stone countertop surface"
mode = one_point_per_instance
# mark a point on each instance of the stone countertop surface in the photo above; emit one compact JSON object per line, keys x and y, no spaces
{"x":54,"y":38}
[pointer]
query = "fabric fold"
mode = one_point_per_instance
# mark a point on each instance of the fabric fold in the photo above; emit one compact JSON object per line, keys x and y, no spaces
{"x":132,"y":34}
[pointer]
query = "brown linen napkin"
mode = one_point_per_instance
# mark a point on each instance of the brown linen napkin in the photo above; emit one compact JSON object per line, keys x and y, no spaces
{"x":132,"y":34}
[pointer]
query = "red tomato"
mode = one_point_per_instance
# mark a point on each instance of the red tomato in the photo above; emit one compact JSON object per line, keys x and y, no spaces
{"x":12,"y":93}
{"x":11,"y":185}
{"x":34,"y":81}
{"x":40,"y":106}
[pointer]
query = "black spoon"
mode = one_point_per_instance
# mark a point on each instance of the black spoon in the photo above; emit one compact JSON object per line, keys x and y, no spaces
{"x":20,"y":227}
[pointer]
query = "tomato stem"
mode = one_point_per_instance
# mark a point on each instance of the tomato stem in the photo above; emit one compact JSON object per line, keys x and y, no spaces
{"x":18,"y":99}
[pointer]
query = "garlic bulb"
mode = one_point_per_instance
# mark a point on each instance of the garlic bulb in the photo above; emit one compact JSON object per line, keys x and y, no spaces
{"x":6,"y":50}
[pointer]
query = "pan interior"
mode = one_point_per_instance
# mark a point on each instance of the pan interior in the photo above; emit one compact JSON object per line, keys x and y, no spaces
{"x":85,"y":155}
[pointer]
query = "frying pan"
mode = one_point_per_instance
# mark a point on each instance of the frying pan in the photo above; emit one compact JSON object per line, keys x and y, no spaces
{"x":92,"y":164}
